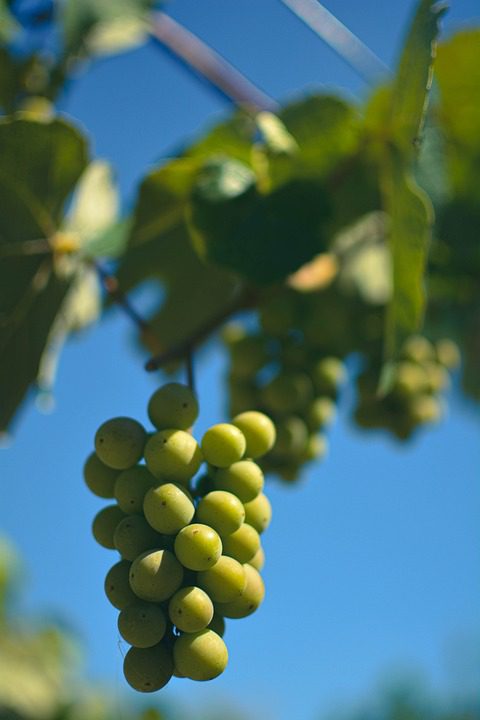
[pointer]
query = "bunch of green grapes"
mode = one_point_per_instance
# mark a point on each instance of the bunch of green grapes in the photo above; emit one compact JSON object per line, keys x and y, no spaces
{"x":189,"y":542}
{"x":415,"y":395}
{"x":287,"y":370}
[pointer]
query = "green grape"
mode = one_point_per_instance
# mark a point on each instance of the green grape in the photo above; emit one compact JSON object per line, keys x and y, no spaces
{"x":424,"y":409}
{"x":224,"y":581}
{"x":249,"y":600}
{"x":243,"y":479}
{"x":315,"y":449}
{"x":142,"y":624}
{"x":410,"y":379}
{"x":190,"y":609}
{"x":173,"y":405}
{"x":292,"y":437}
{"x":131,"y":486}
{"x":448,"y":353}
{"x":173,"y":455}
{"x":327,"y":375}
{"x":117,"y":585}
{"x":148,"y":669}
{"x":223,"y":444}
{"x":217,"y":624}
{"x":200,"y":656}
{"x":119,"y":442}
{"x":168,"y":508}
{"x":320,"y":413}
{"x":278,"y":314}
{"x":258,"y":513}
{"x":247,"y":356}
{"x":155,"y":575}
{"x":259,"y":432}
{"x":104,"y":524}
{"x":232,"y":332}
{"x":242,"y":544}
{"x":222,"y":510}
{"x":258,"y":560}
{"x":418,"y":349}
{"x":288,"y":392}
{"x":437,"y":378}
{"x":198,"y":546}
{"x":99,"y":478}
{"x":133,"y":536}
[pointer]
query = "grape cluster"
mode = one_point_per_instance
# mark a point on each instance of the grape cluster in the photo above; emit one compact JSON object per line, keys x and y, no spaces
{"x":286,"y":371}
{"x":189,"y":542}
{"x":414,"y":397}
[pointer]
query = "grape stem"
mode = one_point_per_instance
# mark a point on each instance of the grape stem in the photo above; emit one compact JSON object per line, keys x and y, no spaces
{"x":247,"y":299}
{"x":110,"y":283}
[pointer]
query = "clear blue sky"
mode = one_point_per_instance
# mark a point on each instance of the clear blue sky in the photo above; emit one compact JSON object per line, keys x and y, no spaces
{"x":372,"y":561}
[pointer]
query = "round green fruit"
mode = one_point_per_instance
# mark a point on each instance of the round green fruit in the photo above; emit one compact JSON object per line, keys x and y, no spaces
{"x":222,"y":510}
{"x":173,"y":406}
{"x":155,"y":575}
{"x":190,"y":609}
{"x":117,"y":585}
{"x":200,"y":656}
{"x":148,"y":669}
{"x":259,"y":432}
{"x":168,"y":508}
{"x":198,"y":546}
{"x":173,"y":455}
{"x":223,"y":444}
{"x":119,"y":442}
{"x":99,"y":478}
{"x":142,"y":624}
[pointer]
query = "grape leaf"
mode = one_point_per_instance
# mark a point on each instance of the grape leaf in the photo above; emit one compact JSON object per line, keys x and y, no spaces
{"x":39,"y":166}
{"x":396,"y":121}
{"x":325,"y":129}
{"x":8,"y":24}
{"x":458,"y":76}
{"x":159,"y":249}
{"x":263,"y":237}
{"x":411,"y":217}
{"x":98,"y":27}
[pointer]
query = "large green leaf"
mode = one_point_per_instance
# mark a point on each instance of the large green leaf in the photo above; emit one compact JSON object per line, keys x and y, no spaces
{"x":8,"y":24}
{"x":102,"y":26}
{"x":263,"y":237}
{"x":159,"y":249}
{"x":395,"y":122}
{"x":413,"y":78}
{"x":411,"y":217}
{"x":458,"y":76}
{"x":325,"y":128}
{"x":39,"y":166}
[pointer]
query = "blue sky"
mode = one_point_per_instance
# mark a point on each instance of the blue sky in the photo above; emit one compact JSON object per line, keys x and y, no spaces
{"x":372,"y":561}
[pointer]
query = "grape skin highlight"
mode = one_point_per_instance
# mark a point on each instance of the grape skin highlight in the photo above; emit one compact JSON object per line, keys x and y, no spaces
{"x":223,"y":444}
{"x":168,"y":508}
{"x":259,"y":432}
{"x":155,"y":575}
{"x":222,"y":510}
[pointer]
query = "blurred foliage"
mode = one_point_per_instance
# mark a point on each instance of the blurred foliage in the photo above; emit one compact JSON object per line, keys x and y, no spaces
{"x":234,"y":214}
